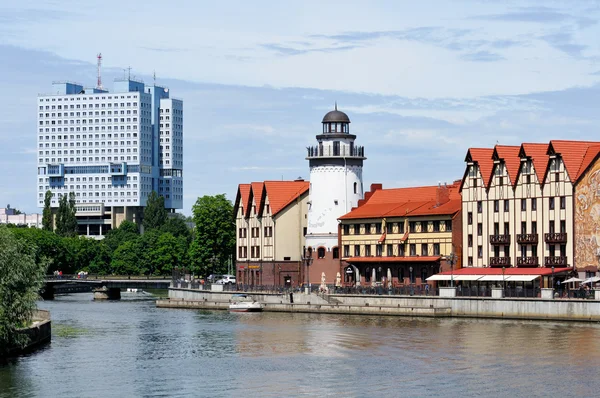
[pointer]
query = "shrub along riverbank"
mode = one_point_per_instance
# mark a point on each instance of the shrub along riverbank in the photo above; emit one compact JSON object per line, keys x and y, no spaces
{"x":21,"y":276}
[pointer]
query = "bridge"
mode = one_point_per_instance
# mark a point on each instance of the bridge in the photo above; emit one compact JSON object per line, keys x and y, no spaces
{"x":104,"y":288}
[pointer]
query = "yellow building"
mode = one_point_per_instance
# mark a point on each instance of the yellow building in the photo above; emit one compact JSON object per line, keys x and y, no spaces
{"x":401,"y":236}
{"x":271,"y":220}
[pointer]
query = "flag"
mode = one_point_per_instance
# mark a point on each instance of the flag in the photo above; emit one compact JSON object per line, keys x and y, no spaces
{"x":405,"y":237}
{"x":382,"y":237}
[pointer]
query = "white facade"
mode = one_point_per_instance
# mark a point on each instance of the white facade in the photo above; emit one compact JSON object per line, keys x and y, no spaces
{"x":104,"y":147}
{"x":9,"y":216}
{"x":335,"y":180}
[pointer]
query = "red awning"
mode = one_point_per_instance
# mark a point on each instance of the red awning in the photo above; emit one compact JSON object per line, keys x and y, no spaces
{"x":410,"y":259}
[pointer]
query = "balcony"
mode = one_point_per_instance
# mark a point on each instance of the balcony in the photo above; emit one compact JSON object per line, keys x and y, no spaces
{"x":327,"y":151}
{"x":527,"y":239}
{"x":556,"y":237}
{"x":500,"y":261}
{"x":556,"y":261}
{"x":531,"y":261}
{"x":500,"y":239}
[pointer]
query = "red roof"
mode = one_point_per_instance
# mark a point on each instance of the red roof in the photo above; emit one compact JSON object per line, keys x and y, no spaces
{"x":409,"y":259}
{"x":243,"y":195}
{"x":282,"y":193}
{"x":538,"y":153}
{"x":572,"y":153}
{"x":591,"y":155}
{"x":257,"y":194}
{"x":507,"y":271}
{"x":400,"y":202}
{"x":483,"y":157}
{"x":510,"y":156}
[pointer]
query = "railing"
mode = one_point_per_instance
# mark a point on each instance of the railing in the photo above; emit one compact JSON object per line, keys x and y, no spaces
{"x":555,"y":261}
{"x":556,"y":237}
{"x":531,"y":261}
{"x":329,"y":150}
{"x":104,"y":277}
{"x":486,"y":291}
{"x":500,"y":239}
{"x":527,"y":238}
{"x":499,"y":262}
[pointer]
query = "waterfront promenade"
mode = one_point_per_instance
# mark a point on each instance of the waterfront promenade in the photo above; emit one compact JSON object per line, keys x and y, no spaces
{"x":585,"y":310}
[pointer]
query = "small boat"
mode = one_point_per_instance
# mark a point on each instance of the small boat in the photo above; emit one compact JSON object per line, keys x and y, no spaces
{"x":243,"y":303}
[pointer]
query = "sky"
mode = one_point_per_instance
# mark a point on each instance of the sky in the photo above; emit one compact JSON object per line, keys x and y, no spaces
{"x":421,"y":81}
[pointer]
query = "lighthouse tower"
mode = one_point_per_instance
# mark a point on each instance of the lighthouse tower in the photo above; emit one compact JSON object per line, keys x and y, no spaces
{"x":335,"y":187}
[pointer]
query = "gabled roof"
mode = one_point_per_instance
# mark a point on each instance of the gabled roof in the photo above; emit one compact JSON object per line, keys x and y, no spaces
{"x":573,"y":154}
{"x":401,"y":202}
{"x":282,"y":193}
{"x":243,"y":195}
{"x":512,"y":161}
{"x":590,"y":156}
{"x":538,"y":153}
{"x":257,"y":194}
{"x":483,"y":158}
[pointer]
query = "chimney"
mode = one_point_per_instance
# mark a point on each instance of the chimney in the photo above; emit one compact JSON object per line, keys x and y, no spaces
{"x":442,"y":195}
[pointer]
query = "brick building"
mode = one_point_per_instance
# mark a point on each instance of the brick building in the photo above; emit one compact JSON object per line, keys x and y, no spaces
{"x":271,"y":220}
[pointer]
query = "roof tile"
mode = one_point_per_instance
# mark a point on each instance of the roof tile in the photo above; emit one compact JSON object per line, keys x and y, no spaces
{"x":282,"y":193}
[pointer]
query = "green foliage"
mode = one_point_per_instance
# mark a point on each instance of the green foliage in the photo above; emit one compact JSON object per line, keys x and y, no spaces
{"x":155,"y":215}
{"x":127,"y":259}
{"x":66,"y":221}
{"x":177,"y":227}
{"x":126,"y":232}
{"x":21,"y":278}
{"x":167,"y":253}
{"x":214,"y":240}
{"x":47,"y":213}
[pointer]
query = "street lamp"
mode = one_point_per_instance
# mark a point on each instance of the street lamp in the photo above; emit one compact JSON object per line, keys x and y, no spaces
{"x":307,"y":260}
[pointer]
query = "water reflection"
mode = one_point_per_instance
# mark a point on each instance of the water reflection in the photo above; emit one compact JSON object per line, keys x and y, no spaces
{"x":131,"y":348}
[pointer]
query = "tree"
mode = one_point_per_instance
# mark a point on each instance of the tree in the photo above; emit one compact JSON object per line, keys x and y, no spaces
{"x":177,"y":227}
{"x":66,"y":221}
{"x":47,"y":213}
{"x":21,"y":278}
{"x":167,"y":253}
{"x":214,"y":240}
{"x":127,"y":231}
{"x":155,"y":214}
{"x":126,"y":259}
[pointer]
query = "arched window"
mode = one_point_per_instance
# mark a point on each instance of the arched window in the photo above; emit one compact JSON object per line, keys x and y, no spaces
{"x":336,"y":252}
{"x":355,"y":186}
{"x":321,"y":252}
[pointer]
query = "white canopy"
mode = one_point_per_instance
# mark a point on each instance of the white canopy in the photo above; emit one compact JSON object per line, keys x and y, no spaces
{"x":573,"y":280}
{"x":467,"y":277}
{"x":440,"y":278}
{"x":593,"y":279}
{"x":493,"y":278}
{"x":521,"y":278}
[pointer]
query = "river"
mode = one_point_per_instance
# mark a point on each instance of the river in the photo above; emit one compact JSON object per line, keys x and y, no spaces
{"x":130,"y":348}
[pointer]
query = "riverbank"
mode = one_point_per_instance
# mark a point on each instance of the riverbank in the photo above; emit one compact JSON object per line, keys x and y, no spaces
{"x":39,"y":333}
{"x":427,"y":306}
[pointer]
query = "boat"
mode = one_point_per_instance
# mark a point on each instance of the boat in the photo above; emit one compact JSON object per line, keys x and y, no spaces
{"x":244,"y":303}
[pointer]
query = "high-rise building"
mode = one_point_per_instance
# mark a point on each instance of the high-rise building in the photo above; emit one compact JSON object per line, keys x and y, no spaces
{"x":112,"y":149}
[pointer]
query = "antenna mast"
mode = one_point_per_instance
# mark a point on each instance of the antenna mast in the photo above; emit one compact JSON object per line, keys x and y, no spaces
{"x":99,"y":83}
